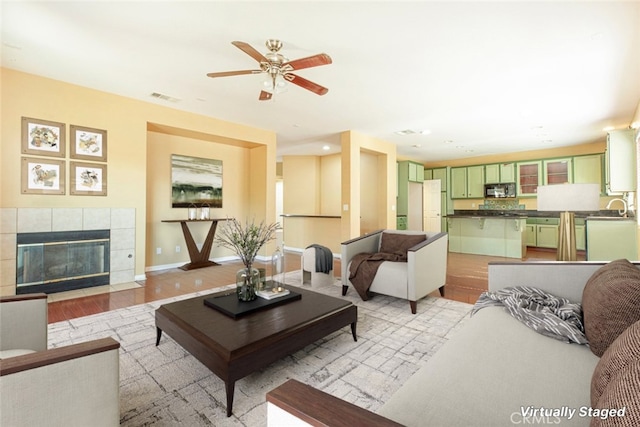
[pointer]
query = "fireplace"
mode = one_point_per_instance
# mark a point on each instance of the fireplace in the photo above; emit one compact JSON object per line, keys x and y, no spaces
{"x":62,"y":261}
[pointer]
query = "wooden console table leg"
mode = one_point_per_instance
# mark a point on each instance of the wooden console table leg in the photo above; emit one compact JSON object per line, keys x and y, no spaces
{"x":198,"y":258}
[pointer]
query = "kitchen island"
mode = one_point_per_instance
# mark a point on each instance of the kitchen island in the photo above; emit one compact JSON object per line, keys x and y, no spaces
{"x":497,"y":235}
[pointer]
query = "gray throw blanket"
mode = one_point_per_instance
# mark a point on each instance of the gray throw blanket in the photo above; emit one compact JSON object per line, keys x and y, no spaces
{"x":324,"y":258}
{"x":546,"y":314}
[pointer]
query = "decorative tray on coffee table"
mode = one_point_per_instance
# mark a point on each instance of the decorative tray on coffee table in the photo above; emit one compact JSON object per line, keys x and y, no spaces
{"x":229,"y":304}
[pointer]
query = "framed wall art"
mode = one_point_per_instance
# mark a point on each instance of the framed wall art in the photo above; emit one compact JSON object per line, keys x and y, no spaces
{"x":195,"y":181}
{"x":88,"y":143}
{"x":42,"y":176}
{"x":88,"y":179}
{"x":43,"y":137}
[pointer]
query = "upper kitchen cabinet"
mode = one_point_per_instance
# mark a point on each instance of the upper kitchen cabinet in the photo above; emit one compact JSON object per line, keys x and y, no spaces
{"x":410,"y":171}
{"x":407,"y":172}
{"x":441,"y":174}
{"x":500,"y":173}
{"x":529,"y":176}
{"x":620,"y":162}
{"x":467,"y":182}
{"x":587,"y":169}
{"x":557,"y":171}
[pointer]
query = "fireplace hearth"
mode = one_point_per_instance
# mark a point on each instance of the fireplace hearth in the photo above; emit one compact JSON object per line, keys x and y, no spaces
{"x":62,"y":261}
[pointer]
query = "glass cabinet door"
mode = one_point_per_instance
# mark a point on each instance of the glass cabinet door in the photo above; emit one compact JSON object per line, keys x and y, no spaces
{"x":557,"y":171}
{"x":528,"y":178}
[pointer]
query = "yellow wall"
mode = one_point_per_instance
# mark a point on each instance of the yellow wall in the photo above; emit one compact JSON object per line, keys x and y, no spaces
{"x":353,"y":144}
{"x":301,"y":185}
{"x":369,"y":195}
{"x":127,"y":122}
{"x":574,"y":150}
{"x":330,"y":184}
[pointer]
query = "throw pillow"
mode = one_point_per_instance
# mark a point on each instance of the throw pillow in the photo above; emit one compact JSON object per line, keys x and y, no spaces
{"x":616,"y":381}
{"x":610,"y":303}
{"x":392,"y":243}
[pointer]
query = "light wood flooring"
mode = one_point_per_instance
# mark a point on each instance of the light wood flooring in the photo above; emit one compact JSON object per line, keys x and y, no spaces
{"x":466,"y":280}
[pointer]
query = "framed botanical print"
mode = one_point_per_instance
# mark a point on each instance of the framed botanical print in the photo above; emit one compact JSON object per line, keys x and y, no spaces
{"x":88,"y":144}
{"x":88,"y":179}
{"x":43,"y":137}
{"x":42,"y":176}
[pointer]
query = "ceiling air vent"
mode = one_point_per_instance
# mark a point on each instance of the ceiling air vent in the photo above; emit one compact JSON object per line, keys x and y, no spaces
{"x":164,"y":97}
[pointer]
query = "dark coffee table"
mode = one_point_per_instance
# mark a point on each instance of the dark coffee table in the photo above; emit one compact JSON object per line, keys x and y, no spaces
{"x":234,"y":348}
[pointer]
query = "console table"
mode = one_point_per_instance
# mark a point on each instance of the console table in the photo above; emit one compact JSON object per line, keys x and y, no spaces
{"x":199,"y":258}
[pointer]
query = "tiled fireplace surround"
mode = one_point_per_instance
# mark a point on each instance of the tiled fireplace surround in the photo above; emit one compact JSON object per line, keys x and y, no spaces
{"x":120,"y":221}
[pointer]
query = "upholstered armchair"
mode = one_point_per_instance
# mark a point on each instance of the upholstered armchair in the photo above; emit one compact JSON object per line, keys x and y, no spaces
{"x":75,"y":385}
{"x":424,"y":271}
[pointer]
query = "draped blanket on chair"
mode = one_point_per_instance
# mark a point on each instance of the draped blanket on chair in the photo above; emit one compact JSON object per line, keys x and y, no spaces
{"x":364,"y":266}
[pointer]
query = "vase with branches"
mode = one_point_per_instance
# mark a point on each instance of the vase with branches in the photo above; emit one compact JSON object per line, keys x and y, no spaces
{"x":246,"y":240}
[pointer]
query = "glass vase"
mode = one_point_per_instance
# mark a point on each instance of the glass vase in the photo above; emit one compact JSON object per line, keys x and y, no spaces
{"x":247,"y":282}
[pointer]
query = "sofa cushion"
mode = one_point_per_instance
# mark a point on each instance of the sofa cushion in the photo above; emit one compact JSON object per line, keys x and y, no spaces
{"x":399,"y":243}
{"x":610,"y":303}
{"x":616,"y":380}
{"x":489,"y":372}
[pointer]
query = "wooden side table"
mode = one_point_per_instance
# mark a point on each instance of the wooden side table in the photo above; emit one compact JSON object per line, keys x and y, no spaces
{"x":199,"y":258}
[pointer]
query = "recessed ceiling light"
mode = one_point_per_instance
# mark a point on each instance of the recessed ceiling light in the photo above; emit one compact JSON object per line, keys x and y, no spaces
{"x":417,"y":145}
{"x":424,"y":132}
{"x":405,"y":132}
{"x":326,"y":148}
{"x":608,"y":128}
{"x":468,"y":151}
{"x":448,"y":141}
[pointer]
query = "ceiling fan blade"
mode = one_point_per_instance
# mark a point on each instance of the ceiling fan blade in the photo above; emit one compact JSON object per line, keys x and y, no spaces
{"x":265,"y":96}
{"x":249,"y":50}
{"x":233,"y":73}
{"x":308,"y":62}
{"x":306,"y":84}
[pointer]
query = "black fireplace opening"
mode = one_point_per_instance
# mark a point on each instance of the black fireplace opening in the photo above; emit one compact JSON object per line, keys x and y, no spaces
{"x":62,"y":261}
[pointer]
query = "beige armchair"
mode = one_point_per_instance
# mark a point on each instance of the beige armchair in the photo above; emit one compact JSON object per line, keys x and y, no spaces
{"x":75,"y":385}
{"x":424,"y":271}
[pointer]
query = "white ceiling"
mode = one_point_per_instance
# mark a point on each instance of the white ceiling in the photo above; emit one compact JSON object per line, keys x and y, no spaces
{"x":489,"y":76}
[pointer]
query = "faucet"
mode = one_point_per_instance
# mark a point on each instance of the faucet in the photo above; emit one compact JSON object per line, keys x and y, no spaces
{"x":621,"y":212}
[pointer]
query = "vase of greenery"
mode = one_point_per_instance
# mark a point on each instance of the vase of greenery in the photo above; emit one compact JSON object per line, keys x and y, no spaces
{"x":246,"y":240}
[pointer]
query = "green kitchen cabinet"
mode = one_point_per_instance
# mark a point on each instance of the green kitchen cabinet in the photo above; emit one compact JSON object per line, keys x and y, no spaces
{"x":441,"y":174}
{"x":475,"y":182}
{"x":581,"y":236}
{"x":401,"y":222}
{"x":459,"y":183}
{"x":499,"y":173}
{"x":620,"y":162}
{"x":530,"y":232}
{"x":611,"y":239}
{"x":455,"y":234}
{"x":588,"y":169}
{"x":507,"y":172}
{"x":407,"y":172}
{"x":547,"y":232}
{"x":487,"y":236}
{"x":467,"y":182}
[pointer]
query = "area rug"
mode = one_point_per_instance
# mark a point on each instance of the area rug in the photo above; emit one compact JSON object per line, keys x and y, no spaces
{"x":166,"y":386}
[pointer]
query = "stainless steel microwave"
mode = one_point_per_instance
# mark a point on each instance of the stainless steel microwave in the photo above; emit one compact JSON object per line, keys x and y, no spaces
{"x":502,"y":190}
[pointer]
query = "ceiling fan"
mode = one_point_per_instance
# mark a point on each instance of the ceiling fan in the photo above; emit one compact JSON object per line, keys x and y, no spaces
{"x":279,"y":68}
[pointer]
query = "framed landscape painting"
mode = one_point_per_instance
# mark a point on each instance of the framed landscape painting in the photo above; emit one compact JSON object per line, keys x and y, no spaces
{"x":195,"y":181}
{"x":43,"y":137}
{"x":42,"y":176}
{"x":88,"y":144}
{"x":88,"y":179}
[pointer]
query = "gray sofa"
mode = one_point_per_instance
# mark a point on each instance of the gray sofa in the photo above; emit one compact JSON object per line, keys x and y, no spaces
{"x":494,"y":372}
